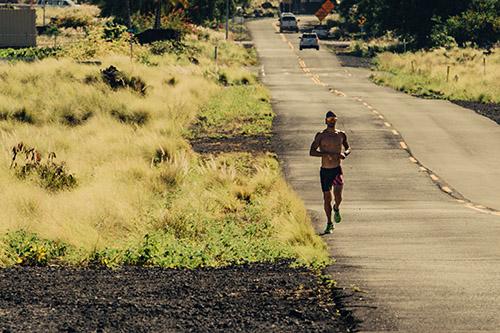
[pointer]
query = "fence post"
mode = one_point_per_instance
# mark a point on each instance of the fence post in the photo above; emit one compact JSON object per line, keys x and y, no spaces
{"x":215,"y":54}
{"x":484,"y":65}
{"x":448,"y":73}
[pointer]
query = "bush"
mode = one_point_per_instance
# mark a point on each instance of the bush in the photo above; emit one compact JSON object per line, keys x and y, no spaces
{"x":134,"y":118}
{"x":480,"y":24}
{"x":26,"y":249}
{"x":71,"y":21}
{"x":48,"y":174}
{"x":31,"y":53}
{"x":113,"y":31}
{"x":20,"y":115}
{"x":117,"y":79}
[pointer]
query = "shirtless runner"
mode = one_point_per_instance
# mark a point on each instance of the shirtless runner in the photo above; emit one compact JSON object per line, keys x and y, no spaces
{"x":330,"y":143}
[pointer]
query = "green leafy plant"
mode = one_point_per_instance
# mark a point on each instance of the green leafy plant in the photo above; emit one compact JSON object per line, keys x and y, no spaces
{"x":27,"y":249}
{"x":48,"y":174}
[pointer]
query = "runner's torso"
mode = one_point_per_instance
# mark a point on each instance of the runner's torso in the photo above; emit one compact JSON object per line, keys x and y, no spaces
{"x":331,"y":142}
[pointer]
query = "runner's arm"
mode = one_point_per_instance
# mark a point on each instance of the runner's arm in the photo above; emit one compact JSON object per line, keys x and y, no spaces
{"x":347,"y":148}
{"x":314,"y":148}
{"x":315,"y":145}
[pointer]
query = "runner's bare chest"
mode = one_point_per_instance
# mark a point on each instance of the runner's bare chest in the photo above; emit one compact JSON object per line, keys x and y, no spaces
{"x":331,"y":142}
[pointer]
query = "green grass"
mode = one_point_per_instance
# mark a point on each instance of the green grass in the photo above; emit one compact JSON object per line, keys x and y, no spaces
{"x":237,"y":110}
{"x":142,"y":196}
{"x":425,"y":73}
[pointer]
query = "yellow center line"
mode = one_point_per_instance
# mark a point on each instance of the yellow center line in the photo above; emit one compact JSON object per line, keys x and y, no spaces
{"x":434,"y":177}
{"x":381,"y":117}
{"x":387,"y":124}
{"x":413,"y":159}
{"x":471,"y":206}
{"x":446,"y":189}
{"x":395,"y":132}
{"x":422,"y":168}
{"x":403,"y":145}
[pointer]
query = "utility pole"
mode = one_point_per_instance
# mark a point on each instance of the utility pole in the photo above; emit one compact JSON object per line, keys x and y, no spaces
{"x":127,"y":13}
{"x":227,"y":19}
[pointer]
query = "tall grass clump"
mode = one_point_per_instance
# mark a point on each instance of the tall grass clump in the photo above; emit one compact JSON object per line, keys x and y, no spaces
{"x":455,"y":74}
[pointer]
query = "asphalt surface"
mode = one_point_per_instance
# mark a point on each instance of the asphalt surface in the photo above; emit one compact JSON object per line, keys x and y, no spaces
{"x":421,"y":259}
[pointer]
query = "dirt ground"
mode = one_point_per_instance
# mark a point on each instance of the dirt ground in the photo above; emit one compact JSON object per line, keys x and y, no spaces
{"x":248,"y":298}
{"x":490,"y":110}
{"x":239,"y":143}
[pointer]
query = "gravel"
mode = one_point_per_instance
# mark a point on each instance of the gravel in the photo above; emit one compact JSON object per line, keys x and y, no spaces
{"x":247,"y":298}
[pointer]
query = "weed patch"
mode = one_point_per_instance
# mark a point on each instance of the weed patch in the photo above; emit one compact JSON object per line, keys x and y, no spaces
{"x":27,"y":249}
{"x":49,"y":174}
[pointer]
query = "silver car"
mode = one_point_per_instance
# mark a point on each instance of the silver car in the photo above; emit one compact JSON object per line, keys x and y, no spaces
{"x":309,"y":41}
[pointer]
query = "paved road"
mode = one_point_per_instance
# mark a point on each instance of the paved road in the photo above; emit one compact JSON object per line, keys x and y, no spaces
{"x":427,"y":261}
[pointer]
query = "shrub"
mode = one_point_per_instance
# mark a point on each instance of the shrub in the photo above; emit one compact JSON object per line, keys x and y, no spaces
{"x":480,"y":24}
{"x":26,"y":249}
{"x":73,"y":119}
{"x":134,"y":118}
{"x":31,"y":53}
{"x":113,"y":31}
{"x":117,"y":79}
{"x":48,"y":174}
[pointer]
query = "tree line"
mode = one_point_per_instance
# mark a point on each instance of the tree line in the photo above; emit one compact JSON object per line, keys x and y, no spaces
{"x":427,"y":22}
{"x":196,"y":11}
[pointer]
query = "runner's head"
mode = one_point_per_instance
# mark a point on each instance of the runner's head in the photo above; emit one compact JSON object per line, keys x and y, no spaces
{"x":330,"y":119}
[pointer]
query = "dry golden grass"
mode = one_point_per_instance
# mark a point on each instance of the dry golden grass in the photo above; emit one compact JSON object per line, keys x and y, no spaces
{"x":83,"y":12}
{"x":137,"y":179}
{"x":111,"y":160}
{"x":425,"y":73}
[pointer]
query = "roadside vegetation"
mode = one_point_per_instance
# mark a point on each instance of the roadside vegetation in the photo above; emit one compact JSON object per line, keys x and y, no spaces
{"x":447,"y":51}
{"x":457,"y":74}
{"x":97,"y":168}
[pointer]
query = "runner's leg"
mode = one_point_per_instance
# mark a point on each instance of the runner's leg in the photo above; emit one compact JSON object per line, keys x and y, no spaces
{"x":337,"y":192}
{"x":327,"y":198}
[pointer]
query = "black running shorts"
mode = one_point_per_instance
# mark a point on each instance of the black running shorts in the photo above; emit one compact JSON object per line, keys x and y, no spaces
{"x":331,"y":177}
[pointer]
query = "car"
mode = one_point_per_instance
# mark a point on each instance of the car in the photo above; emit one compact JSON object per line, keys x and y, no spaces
{"x":322,"y":31}
{"x":58,"y":3}
{"x":309,"y":41}
{"x":288,"y":22}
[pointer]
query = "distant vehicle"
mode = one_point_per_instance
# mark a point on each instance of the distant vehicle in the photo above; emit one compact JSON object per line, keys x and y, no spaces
{"x":58,"y":3}
{"x":321,"y":30}
{"x":309,"y":41}
{"x":288,"y":22}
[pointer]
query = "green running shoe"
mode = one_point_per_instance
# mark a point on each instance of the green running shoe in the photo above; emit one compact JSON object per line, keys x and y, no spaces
{"x":336,"y":216}
{"x":329,"y":228}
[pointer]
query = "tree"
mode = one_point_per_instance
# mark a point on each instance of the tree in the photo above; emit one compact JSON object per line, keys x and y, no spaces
{"x":412,"y":19}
